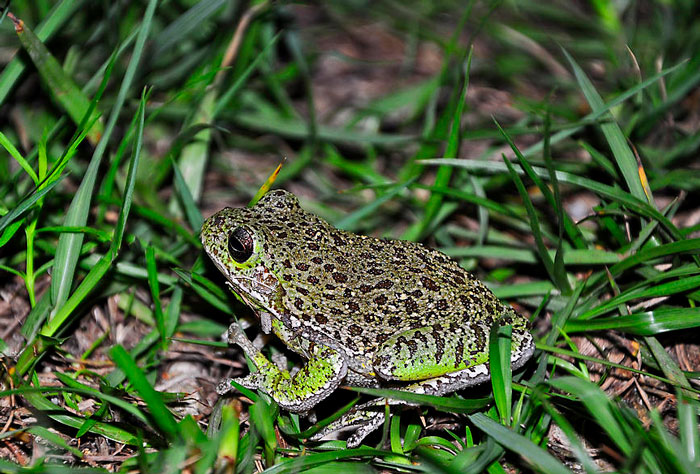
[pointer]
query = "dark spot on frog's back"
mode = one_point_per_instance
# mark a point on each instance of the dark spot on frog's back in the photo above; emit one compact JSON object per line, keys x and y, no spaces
{"x":458,"y":277}
{"x":321,"y":319}
{"x":378,"y":246}
{"x":381,"y":300}
{"x":340,"y":277}
{"x":298,"y":303}
{"x":412,"y":346}
{"x":355,"y":330}
{"x":316,"y":260}
{"x":459,"y":352}
{"x":365,"y":288}
{"x":410,"y":305}
{"x":302,"y":266}
{"x":312,"y":279}
{"x":353,"y":306}
{"x":466,"y":299}
{"x":338,"y":240}
{"x":429,"y":284}
{"x":439,"y":344}
{"x":384,"y":284}
{"x":442,"y":304}
{"x":479,"y":338}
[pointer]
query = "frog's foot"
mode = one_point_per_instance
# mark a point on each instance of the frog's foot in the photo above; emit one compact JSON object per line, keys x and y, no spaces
{"x":299,"y":392}
{"x":363,"y":419}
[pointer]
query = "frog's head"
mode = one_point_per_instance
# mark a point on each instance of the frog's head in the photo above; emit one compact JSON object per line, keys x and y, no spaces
{"x":242,"y":242}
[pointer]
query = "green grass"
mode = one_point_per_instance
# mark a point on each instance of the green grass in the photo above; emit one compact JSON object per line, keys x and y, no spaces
{"x":550,"y":149}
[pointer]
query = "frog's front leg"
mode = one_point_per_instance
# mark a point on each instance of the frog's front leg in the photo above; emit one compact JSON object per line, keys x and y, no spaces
{"x":321,"y":375}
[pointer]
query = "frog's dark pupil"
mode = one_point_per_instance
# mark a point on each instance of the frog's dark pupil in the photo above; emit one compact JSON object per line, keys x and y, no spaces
{"x":240,"y":244}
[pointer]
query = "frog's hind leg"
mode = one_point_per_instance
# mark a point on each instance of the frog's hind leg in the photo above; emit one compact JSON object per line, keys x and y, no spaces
{"x":370,"y":416}
{"x":475,"y":375}
{"x":362,"y":420}
{"x":432,"y":351}
{"x":321,"y":375}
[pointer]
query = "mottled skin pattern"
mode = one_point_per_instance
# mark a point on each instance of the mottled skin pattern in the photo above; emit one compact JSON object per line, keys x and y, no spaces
{"x":372,"y":312}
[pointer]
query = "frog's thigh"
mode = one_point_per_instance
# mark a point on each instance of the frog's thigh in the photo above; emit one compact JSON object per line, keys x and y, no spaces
{"x":451,"y":382}
{"x":320,"y":376}
{"x":431,"y":351}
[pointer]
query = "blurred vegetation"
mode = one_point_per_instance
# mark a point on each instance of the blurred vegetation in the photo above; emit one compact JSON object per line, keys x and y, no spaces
{"x":550,"y":147}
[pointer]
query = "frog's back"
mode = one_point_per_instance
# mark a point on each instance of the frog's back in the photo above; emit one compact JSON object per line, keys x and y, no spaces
{"x":359,"y":291}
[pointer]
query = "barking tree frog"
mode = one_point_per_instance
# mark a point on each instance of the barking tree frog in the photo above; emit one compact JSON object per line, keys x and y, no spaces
{"x":364,"y":311}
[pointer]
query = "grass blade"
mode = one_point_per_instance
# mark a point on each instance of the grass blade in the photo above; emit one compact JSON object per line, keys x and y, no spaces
{"x":501,"y":372}
{"x":62,"y":87}
{"x":194,"y":216}
{"x":512,"y":441}
{"x":647,"y":323}
{"x":160,"y":413}
{"x":155,"y":295}
{"x":561,"y":283}
{"x":631,"y":169}
{"x":454,"y":139}
{"x":60,"y":13}
{"x":598,"y":405}
{"x":69,"y":245}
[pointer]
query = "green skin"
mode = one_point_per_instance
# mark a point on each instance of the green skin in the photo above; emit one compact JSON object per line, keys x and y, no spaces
{"x":370,"y":312}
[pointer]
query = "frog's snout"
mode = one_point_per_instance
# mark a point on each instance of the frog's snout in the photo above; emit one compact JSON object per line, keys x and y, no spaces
{"x":206,"y":235}
{"x":213,"y":230}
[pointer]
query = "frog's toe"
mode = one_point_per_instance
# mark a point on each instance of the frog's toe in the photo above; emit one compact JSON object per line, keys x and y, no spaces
{"x":224,"y":387}
{"x":251,"y":382}
{"x":236,"y":334}
{"x":311,"y":416}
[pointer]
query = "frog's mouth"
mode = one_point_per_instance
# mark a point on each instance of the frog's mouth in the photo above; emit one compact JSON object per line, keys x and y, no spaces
{"x":256,"y":287}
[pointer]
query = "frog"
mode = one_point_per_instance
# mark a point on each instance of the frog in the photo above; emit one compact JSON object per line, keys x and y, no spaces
{"x":362,"y":311}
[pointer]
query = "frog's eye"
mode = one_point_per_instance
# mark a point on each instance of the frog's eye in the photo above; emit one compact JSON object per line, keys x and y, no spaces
{"x":240,"y":244}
